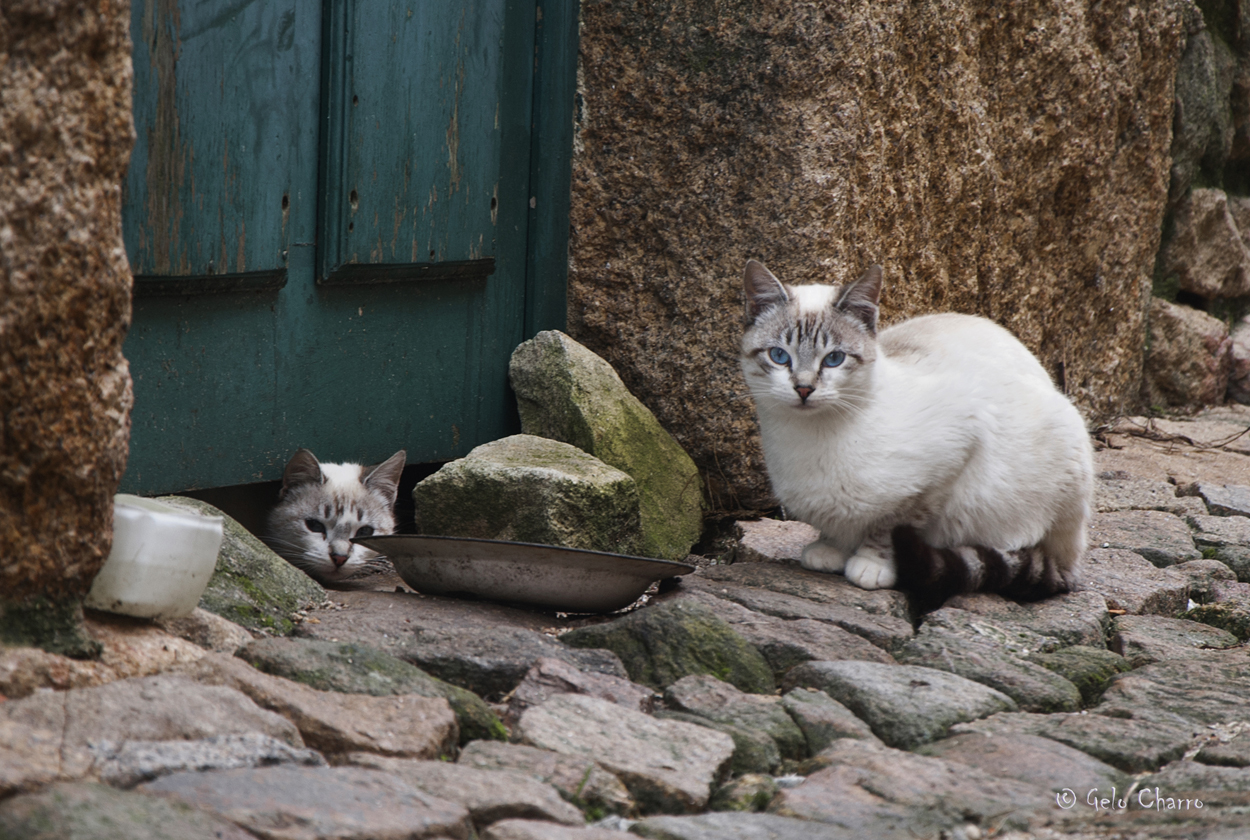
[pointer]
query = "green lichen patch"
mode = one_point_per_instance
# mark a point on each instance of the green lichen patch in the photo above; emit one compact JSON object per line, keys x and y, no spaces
{"x":532,"y":489}
{"x":1226,"y":616}
{"x":55,"y":626}
{"x":1090,"y":669}
{"x":359,"y":669}
{"x":252,"y":586}
{"x":662,"y":643}
{"x":567,"y":393}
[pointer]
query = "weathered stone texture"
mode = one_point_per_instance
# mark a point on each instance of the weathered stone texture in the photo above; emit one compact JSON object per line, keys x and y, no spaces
{"x":1010,"y":160}
{"x":65,"y":392}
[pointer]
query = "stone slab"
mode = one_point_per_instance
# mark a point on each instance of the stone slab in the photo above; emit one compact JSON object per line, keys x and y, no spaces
{"x":908,"y":792}
{"x":79,"y":811}
{"x":1031,"y":759}
{"x":1229,"y":751}
{"x":771,"y":540}
{"x":312,"y":803}
{"x":579,"y":779}
{"x":884,"y":631}
{"x":405,"y":726}
{"x":785,"y":643}
{"x":1112,"y":493}
{"x":708,"y":697}
{"x":1143,"y":639}
{"x":668,"y":766}
{"x":1034,"y":688}
{"x":1162,"y":538}
{"x":160,"y":708}
{"x":1090,"y":669}
{"x":1225,"y":499}
{"x":129,"y":763}
{"x":485,"y":648}
{"x":905,"y":705}
{"x":673,"y":638}
{"x":352,"y":668}
{"x":539,"y":830}
{"x":823,"y":720}
{"x":1127,"y":581}
{"x":812,"y":586}
{"x":490,"y":795}
{"x":1077,"y":618}
{"x":550,"y":677}
{"x":736,"y":826}
{"x":1211,"y":687}
{"x":1133,"y":746}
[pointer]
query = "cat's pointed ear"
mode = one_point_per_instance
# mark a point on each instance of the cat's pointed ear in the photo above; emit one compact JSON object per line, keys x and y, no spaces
{"x":384,"y":478}
{"x":303,"y":468}
{"x":762,"y":288}
{"x":860,"y":299}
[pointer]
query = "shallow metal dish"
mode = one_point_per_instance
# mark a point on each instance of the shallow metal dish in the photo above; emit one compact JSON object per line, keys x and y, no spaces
{"x":565,"y":579}
{"x":570,"y":580}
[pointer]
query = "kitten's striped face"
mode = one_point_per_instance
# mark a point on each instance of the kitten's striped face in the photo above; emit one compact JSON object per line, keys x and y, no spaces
{"x":324,"y":506}
{"x":809,"y":348}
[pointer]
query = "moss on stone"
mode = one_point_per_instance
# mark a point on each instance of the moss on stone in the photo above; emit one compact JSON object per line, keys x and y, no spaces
{"x":567,"y":393}
{"x":252,"y":586}
{"x":1090,"y":669}
{"x":1230,"y":617}
{"x":55,"y":626}
{"x":662,"y":643}
{"x":359,"y":669}
{"x":532,"y":489}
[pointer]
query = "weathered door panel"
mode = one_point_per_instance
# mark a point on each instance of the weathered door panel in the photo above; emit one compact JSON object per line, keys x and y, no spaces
{"x":413,"y":96}
{"x":372,"y":344}
{"x":226,"y":116}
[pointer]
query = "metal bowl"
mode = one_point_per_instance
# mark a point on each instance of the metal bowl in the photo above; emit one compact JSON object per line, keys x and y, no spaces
{"x":564,"y":579}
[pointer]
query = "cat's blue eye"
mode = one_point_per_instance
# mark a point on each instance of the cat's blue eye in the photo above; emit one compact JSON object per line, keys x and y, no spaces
{"x":779,"y":356}
{"x":364,"y":531}
{"x":315,"y":526}
{"x":834,"y":359}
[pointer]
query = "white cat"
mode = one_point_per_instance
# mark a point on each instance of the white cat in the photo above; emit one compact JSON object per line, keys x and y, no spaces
{"x":937,"y":456}
{"x":321,"y":507}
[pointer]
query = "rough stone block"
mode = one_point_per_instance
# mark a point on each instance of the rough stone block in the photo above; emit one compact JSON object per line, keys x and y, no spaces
{"x":1190,"y":356}
{"x":1160,"y":537}
{"x":531,"y":489}
{"x":567,"y":393}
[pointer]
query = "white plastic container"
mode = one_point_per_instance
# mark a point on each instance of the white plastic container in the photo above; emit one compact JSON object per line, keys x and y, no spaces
{"x":161,"y":561}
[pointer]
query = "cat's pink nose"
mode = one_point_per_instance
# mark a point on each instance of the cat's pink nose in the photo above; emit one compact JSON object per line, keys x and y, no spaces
{"x":804,"y":391}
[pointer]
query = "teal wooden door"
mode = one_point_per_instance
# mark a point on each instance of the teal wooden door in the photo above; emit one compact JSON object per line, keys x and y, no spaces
{"x":342,"y":217}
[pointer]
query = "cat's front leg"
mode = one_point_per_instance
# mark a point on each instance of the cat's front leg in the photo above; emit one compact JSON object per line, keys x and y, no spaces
{"x":872,"y":566}
{"x":824,"y":556}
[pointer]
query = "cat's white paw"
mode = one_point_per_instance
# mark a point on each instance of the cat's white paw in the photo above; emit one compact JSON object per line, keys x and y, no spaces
{"x":871,"y":569}
{"x":820,"y":556}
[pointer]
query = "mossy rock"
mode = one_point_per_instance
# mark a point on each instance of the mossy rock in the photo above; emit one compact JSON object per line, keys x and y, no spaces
{"x":252,"y":586}
{"x":1090,"y":669}
{"x":359,"y":669}
{"x":661,"y":643}
{"x":54,"y":626}
{"x":751,"y":792}
{"x":567,"y":393}
{"x":532,"y":489}
{"x":754,"y":751}
{"x":1230,"y":617}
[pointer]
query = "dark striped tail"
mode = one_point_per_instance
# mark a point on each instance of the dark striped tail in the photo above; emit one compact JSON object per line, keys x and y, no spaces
{"x":935,"y":574}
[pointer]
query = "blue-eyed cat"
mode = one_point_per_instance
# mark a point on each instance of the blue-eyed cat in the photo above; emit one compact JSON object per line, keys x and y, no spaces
{"x":321,"y":507}
{"x":935,"y":456}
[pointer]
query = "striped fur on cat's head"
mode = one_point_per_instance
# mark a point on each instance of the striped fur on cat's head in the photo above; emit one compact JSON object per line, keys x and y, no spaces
{"x":321,"y":507}
{"x":809,"y":348}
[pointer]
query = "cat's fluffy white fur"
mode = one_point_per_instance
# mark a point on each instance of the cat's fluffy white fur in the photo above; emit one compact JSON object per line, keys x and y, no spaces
{"x":321,"y":507}
{"x":945,"y":423}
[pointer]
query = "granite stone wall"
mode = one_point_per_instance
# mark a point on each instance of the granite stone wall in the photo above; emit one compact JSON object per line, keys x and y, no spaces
{"x":65,"y":138}
{"x":1005,"y":159}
